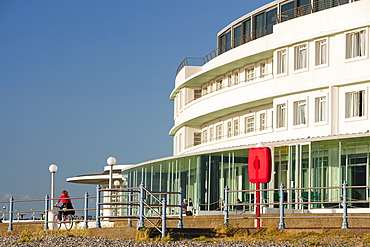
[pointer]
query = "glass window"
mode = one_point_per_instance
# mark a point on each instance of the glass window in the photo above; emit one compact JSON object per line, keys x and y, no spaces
{"x":300,"y":57}
{"x":320,"y":109}
{"x":236,"y":78}
{"x":197,"y":138}
{"x":259,"y":25}
{"x":303,"y":7}
{"x":355,"y":104}
{"x":238,"y":35}
{"x":262,"y":70}
{"x":229,"y":129}
{"x":225,"y":42}
{"x":321,"y":52}
{"x":270,"y":20}
{"x":250,"y":74}
{"x":280,"y":115}
{"x":287,"y":11}
{"x":247,"y":31}
{"x":197,"y":93}
{"x":205,"y":135}
{"x":219,"y":132}
{"x":299,"y":112}
{"x":229,"y":81}
{"x":236,"y":127}
{"x":249,"y":124}
{"x":282,"y":62}
{"x":355,"y":44}
{"x":262,"y":121}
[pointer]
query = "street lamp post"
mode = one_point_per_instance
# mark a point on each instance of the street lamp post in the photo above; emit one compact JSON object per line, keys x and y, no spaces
{"x":111,"y":161}
{"x":53,"y":169}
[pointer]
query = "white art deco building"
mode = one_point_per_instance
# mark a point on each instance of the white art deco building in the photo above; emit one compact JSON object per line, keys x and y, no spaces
{"x":292,"y":74}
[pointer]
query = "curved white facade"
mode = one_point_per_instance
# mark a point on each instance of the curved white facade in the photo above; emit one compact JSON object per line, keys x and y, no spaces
{"x":308,"y":77}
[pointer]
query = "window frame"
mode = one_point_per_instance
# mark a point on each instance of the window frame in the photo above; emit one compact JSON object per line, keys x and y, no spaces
{"x":301,"y":54}
{"x":321,"y":112}
{"x":249,"y":128}
{"x":282,"y":62}
{"x":300,"y":113}
{"x":247,"y":75}
{"x":350,"y":49}
{"x":319,"y":53}
{"x":263,"y":121}
{"x":281,"y":119}
{"x":351,"y":111}
{"x":236,"y":127}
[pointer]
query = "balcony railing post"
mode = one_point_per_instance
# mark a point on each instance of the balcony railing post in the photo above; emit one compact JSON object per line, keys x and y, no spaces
{"x":97,"y":212}
{"x":164,"y":208}
{"x":226,"y":206}
{"x":180,"y":225}
{"x":281,"y":207}
{"x":46,"y":225}
{"x":140,"y":222}
{"x":345,"y":220}
{"x":11,"y":201}
{"x":86,"y":213}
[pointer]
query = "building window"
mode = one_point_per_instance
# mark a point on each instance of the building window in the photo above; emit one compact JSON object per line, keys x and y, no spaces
{"x":355,"y":104}
{"x":299,"y":112}
{"x":218,"y":84}
{"x":300,"y":57}
{"x":236,"y":127}
{"x":282,"y":62}
{"x":229,"y":130}
{"x":197,"y":93}
{"x":249,"y":124}
{"x":236,"y":78}
{"x":262,"y":70}
{"x":229,"y":81}
{"x":320,"y":109}
{"x":280,"y":115}
{"x":321,"y":52}
{"x":250,"y":74}
{"x":205,"y":136}
{"x":197,"y":138}
{"x":355,"y":44}
{"x":225,"y":42}
{"x":218,"y":132}
{"x":262,"y":121}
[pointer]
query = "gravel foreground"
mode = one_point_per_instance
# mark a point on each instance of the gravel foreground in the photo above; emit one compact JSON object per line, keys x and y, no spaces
{"x":12,"y":240}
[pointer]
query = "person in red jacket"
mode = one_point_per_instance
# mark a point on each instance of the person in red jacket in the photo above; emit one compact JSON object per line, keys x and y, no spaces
{"x":67,"y":204}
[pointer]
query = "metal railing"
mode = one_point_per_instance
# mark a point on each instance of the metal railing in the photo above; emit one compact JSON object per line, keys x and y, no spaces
{"x":141,"y":204}
{"x":296,"y":12}
{"x":344,"y":203}
{"x":120,"y":204}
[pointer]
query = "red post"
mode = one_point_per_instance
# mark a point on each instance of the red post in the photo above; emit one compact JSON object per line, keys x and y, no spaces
{"x":258,"y":206}
{"x":259,"y":170}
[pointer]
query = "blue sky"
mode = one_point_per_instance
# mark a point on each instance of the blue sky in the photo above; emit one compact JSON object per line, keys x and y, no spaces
{"x":82,"y":80}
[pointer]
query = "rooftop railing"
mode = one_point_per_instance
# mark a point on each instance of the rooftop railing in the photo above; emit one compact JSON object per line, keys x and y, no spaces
{"x":293,"y":13}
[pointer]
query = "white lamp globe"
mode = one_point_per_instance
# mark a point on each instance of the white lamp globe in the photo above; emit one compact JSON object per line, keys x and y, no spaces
{"x":116,"y":183}
{"x":53,"y":168}
{"x":111,"y":161}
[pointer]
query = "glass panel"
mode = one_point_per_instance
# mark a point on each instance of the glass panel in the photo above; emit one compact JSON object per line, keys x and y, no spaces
{"x":270,"y":20}
{"x":238,"y":33}
{"x":287,"y":11}
{"x":259,"y":26}
{"x":247,"y":31}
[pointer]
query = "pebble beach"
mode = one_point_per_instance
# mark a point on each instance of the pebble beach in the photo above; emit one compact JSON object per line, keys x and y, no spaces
{"x":51,"y":241}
